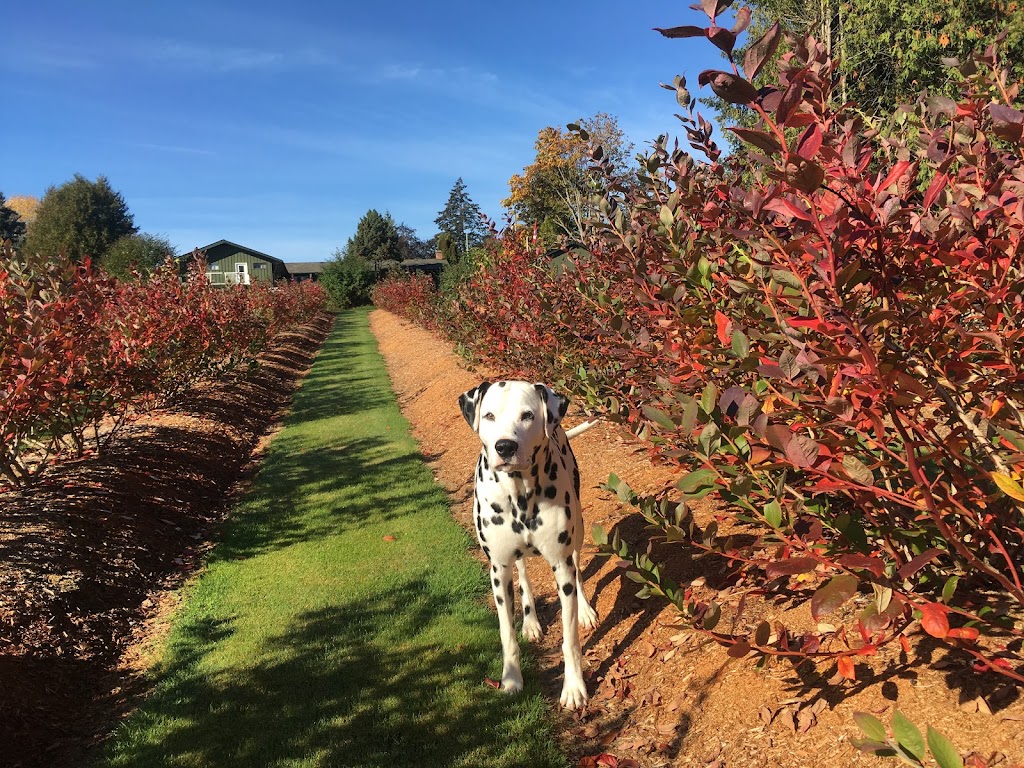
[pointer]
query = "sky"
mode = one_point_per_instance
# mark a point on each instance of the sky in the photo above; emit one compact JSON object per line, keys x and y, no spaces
{"x":278,"y":125}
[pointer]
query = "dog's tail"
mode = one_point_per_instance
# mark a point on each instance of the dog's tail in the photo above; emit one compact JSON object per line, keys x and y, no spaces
{"x":579,"y":429}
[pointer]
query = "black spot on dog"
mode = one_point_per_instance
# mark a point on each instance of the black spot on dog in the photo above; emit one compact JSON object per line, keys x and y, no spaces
{"x":511,"y":590}
{"x":526,"y":610}
{"x":498,"y":509}
{"x":536,"y":509}
{"x":568,"y":589}
{"x":550,"y":492}
{"x":521,"y":502}
{"x":576,"y":480}
{"x":483,"y":460}
{"x":535,"y":471}
{"x":498,"y":520}
{"x":535,"y":550}
{"x":568,"y":499}
{"x":479,"y":473}
{"x":568,"y":561}
{"x":487,"y":552}
{"x":498,"y":600}
{"x":519,"y":553}
{"x":483,"y":540}
{"x":497,"y":582}
{"x":501,"y":383}
{"x":517,"y":527}
{"x":563,"y":537}
{"x":494,"y":569}
{"x":568,"y":513}
{"x":553,"y":474}
{"x":533,"y":456}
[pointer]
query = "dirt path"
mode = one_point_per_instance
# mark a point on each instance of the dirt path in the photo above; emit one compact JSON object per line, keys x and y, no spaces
{"x":659,"y":696}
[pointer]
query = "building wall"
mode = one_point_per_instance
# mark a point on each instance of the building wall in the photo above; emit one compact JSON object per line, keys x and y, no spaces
{"x":221,"y":266}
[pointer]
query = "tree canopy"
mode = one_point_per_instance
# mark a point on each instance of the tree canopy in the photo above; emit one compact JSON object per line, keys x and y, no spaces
{"x":888,"y":51}
{"x":80,"y":217}
{"x":555,"y":192}
{"x":138,"y":254}
{"x":11,"y":226}
{"x":462,"y":220}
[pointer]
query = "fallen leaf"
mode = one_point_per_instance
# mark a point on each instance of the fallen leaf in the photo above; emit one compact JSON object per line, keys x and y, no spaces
{"x":786,"y":718}
{"x":389,"y":538}
{"x":492,"y":683}
{"x":805,"y":720}
{"x":766,"y":715}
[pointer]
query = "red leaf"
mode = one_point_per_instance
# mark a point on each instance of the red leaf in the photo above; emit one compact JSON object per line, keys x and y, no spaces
{"x":723,"y":326}
{"x":684,"y":31}
{"x":969,"y":634}
{"x":846,"y":668}
{"x":759,"y":51}
{"x":897,"y":171}
{"x":790,"y":567}
{"x":831,"y":596}
{"x":934,"y":619}
{"x":872,"y":564}
{"x":919,"y":562}
{"x":810,"y":142}
{"x":802,"y":451}
{"x":939,"y":183}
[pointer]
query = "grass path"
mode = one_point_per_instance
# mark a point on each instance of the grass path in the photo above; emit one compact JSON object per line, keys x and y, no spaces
{"x":312,"y":641}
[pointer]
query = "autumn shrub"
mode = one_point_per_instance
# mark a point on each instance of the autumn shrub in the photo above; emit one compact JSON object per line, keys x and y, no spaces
{"x":825,"y":335}
{"x":413,"y":297}
{"x":81,"y":353}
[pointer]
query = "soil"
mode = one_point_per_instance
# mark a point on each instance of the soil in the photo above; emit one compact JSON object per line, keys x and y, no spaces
{"x":94,"y":557}
{"x":661,"y":696}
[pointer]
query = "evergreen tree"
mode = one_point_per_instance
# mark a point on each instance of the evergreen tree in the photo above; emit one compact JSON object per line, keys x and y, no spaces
{"x":11,"y":226}
{"x":136,"y":254}
{"x":462,"y":220}
{"x":376,"y":239}
{"x":81,"y":218}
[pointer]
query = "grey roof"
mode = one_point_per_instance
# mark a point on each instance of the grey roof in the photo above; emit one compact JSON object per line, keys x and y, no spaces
{"x":305,"y":267}
{"x":423,"y":262}
{"x":252,"y":251}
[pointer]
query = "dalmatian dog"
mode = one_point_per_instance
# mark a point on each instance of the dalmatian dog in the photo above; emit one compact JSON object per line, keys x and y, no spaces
{"x":527,"y":503}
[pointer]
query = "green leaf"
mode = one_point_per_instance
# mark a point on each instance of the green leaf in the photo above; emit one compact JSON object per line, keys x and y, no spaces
{"x":949,"y":588}
{"x":659,"y":417}
{"x":857,"y":470}
{"x":667,"y":217}
{"x":712,"y":616}
{"x":709,"y":398}
{"x":598,"y":533}
{"x":696,"y":480}
{"x":945,"y":754}
{"x":773,"y":513}
{"x":740,"y":345}
{"x":908,"y":735}
{"x":1009,"y":486}
{"x":870,"y":726}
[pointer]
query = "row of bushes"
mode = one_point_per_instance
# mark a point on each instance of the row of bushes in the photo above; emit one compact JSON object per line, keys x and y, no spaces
{"x":82,"y":353}
{"x":824,"y":333}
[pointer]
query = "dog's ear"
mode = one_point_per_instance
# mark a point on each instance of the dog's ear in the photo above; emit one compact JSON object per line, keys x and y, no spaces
{"x":469,"y":402}
{"x":555,"y":406}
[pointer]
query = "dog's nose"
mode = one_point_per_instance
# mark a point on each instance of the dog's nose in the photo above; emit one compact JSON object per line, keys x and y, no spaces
{"x":506,"y":448}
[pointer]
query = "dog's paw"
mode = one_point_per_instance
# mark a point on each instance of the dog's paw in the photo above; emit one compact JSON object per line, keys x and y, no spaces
{"x":532,"y":630}
{"x":587,"y":616}
{"x":512,"y":682}
{"x":574,"y":694}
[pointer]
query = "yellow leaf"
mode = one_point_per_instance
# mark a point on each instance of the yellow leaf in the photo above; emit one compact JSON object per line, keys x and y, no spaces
{"x":1009,"y":486}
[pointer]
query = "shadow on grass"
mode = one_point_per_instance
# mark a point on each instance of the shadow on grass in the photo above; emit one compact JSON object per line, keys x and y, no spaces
{"x":336,"y":690}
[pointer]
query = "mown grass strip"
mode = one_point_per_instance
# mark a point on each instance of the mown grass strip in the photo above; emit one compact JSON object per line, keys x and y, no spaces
{"x":311,"y":640}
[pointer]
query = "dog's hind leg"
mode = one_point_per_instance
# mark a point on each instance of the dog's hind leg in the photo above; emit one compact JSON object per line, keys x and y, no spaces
{"x":504,"y":592}
{"x":531,"y":624}
{"x":588,"y":616}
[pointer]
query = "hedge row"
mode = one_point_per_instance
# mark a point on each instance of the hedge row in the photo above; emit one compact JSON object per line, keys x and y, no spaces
{"x":82,"y":353}
{"x":824,"y":334}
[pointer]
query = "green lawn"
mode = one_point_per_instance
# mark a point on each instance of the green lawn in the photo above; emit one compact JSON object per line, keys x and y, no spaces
{"x":309,"y":640}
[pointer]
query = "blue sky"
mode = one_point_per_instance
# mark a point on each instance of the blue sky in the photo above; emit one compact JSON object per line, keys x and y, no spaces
{"x":278,"y":125}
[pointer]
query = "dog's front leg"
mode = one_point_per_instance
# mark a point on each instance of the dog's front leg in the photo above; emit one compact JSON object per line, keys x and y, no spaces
{"x":574,"y":690}
{"x":531,"y":624}
{"x":504,"y":593}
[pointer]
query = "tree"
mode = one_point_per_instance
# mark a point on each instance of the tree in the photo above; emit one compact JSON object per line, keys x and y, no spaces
{"x":555,"y":193}
{"x":80,"y":217}
{"x":887,"y":51}
{"x":462,"y":220}
{"x":25,"y":206}
{"x":410,"y":246}
{"x":350,"y":275}
{"x":11,"y":226}
{"x":136,"y":254}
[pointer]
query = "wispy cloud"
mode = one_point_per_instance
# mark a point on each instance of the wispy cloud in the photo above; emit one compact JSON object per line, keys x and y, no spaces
{"x":175,"y":149}
{"x":211,"y":58}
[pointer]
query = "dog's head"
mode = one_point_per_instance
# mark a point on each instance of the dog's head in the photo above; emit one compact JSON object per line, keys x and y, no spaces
{"x":513,"y":419}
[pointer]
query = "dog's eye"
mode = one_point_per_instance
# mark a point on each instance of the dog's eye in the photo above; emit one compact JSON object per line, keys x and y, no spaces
{"x":488,"y":416}
{"x":526,"y":416}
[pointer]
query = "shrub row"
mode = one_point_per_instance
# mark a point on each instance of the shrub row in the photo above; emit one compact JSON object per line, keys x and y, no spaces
{"x":81,"y":353}
{"x":824,"y":334}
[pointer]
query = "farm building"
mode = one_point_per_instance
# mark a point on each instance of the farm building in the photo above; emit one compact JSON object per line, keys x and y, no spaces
{"x":305,"y":270}
{"x":229,"y":263}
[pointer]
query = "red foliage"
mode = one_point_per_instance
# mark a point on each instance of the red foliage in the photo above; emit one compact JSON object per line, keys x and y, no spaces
{"x":81,"y":352}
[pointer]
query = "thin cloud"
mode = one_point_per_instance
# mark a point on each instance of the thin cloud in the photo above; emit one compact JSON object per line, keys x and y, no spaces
{"x":175,"y":149}
{"x":212,"y":58}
